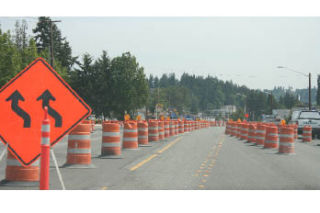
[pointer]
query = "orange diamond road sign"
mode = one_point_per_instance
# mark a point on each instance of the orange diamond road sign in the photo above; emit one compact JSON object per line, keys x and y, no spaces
{"x":21,"y":110}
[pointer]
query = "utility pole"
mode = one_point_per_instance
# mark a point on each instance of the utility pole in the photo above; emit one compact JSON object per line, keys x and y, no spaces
{"x":281,"y":67}
{"x":309,"y":91}
{"x":51,"y":42}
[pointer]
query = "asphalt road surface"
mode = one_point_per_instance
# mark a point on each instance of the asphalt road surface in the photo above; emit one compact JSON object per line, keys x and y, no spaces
{"x":203,"y":159}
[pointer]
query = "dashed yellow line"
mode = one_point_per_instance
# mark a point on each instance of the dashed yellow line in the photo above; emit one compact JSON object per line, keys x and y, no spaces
{"x":143,"y":162}
{"x":169,"y":145}
{"x":138,"y":165}
{"x":104,"y":188}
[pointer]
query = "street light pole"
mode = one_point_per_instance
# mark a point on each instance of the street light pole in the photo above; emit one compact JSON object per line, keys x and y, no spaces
{"x":309,"y":76}
{"x":309,"y":91}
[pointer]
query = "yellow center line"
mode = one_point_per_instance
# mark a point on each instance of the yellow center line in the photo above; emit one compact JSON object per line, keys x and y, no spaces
{"x":169,"y":145}
{"x":138,"y":165}
{"x":143,"y":162}
{"x":104,"y":188}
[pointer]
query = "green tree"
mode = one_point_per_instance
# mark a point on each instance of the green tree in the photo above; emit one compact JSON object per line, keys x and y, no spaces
{"x":129,"y":83}
{"x":61,"y":48}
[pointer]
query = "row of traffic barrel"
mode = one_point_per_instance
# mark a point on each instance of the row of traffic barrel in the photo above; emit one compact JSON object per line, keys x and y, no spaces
{"x":269,"y":135}
{"x":113,"y":141}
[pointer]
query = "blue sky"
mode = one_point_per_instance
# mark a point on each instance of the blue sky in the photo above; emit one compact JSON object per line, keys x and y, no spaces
{"x":246,"y":50}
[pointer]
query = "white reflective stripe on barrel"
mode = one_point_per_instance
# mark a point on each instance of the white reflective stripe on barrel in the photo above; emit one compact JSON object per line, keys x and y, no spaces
{"x":260,"y":131}
{"x":161,"y":133}
{"x":45,"y":128}
{"x":79,"y":137}
{"x":130,"y":139}
{"x":305,"y":131}
{"x":111,"y":144}
{"x":286,"y":144}
{"x":142,"y":136}
{"x":45,"y":140}
{"x":258,"y":137}
{"x":79,"y":151}
{"x":267,"y":141}
{"x":272,"y":134}
{"x":111,"y":134}
{"x":150,"y":134}
{"x":130,"y":130}
{"x":143,"y":129}
{"x":249,"y":136}
{"x":153,"y":128}
{"x":286,"y":136}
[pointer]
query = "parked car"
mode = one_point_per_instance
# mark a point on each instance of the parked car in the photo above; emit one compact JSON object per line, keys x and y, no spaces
{"x":309,"y":117}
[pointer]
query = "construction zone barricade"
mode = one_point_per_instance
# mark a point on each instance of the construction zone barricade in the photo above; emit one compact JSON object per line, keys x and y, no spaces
{"x":88,"y":122}
{"x":286,"y":139}
{"x":161,"y":130}
{"x":18,"y":175}
{"x":171,"y":130}
{"x":166,"y":129}
{"x":79,"y":147}
{"x":143,"y":133}
{"x":181,"y":127}
{"x":244,"y":131}
{"x":186,"y":126}
{"x":307,"y":134}
{"x":238,"y":130}
{"x":153,"y":131}
{"x":252,"y":133}
{"x":111,"y":140}
{"x":272,"y":137}
{"x":176,"y":128}
{"x":260,"y":134}
{"x":130,"y":135}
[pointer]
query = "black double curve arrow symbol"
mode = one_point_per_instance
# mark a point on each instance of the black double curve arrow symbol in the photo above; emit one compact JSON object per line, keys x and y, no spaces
{"x":46,"y":96}
{"x":15,"y":97}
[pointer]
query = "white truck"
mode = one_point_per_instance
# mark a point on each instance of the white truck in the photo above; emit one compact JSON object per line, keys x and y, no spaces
{"x":311,"y":118}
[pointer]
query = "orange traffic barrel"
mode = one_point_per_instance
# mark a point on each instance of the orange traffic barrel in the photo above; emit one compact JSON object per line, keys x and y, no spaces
{"x":251,"y":133}
{"x":244,"y":132}
{"x":130,"y":135}
{"x":166,"y":129}
{"x":181,"y":127}
{"x":197,"y":126}
{"x":260,"y":134}
{"x":239,"y":132}
{"x":88,"y":122}
{"x":176,"y":127}
{"x":153,"y":131}
{"x":172,"y":128}
{"x":79,"y":147}
{"x":111,"y":139}
{"x":272,"y":138}
{"x":307,"y":134}
{"x":143,"y":133}
{"x":286,"y":138}
{"x":18,"y":175}
{"x":231,"y":128}
{"x":161,"y":130}
{"x":186,"y":126}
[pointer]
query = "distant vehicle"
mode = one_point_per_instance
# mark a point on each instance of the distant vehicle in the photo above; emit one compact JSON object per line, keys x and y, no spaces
{"x":294,"y":117}
{"x":269,"y":118}
{"x":309,"y":117}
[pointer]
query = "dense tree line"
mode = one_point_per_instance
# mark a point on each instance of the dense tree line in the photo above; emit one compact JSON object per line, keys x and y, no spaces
{"x":115,"y":86}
